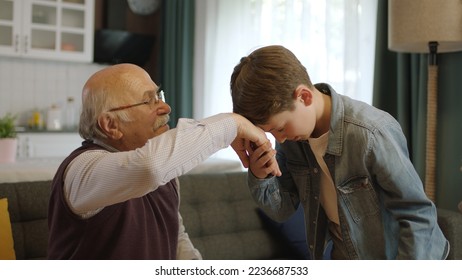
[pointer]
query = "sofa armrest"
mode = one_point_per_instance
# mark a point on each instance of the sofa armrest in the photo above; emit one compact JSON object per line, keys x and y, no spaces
{"x":450,"y":223}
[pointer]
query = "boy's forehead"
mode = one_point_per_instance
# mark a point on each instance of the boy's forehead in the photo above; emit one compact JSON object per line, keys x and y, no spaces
{"x":265,"y":127}
{"x":275,"y":122}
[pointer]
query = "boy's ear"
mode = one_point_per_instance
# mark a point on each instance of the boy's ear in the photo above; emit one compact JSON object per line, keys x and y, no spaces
{"x":109,"y":126}
{"x":303,"y":94}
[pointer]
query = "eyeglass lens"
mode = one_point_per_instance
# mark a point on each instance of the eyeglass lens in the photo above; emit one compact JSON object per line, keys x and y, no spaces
{"x":161,"y":95}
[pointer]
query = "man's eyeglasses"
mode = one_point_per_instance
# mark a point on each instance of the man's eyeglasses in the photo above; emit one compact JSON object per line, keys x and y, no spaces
{"x":154,"y":99}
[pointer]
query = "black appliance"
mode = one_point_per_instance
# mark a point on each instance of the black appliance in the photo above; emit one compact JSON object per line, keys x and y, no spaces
{"x":118,"y":46}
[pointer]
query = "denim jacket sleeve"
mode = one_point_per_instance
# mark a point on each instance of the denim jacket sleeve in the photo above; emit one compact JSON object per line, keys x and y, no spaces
{"x":276,"y":196}
{"x":402,"y":194}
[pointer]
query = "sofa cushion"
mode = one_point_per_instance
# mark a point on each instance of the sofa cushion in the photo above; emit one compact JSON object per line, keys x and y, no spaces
{"x":6,"y":236}
{"x":220,"y":218}
{"x":450,"y":223}
{"x":28,"y":206}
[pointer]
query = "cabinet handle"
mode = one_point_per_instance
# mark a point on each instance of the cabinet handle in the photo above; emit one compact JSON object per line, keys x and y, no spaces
{"x":16,"y":43}
{"x":28,"y":148}
{"x":25,"y":43}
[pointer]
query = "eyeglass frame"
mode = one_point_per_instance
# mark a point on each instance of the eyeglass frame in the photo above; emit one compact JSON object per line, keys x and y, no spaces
{"x":158,"y":96}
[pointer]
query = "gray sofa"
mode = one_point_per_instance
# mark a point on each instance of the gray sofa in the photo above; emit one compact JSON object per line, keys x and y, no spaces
{"x":220,"y":217}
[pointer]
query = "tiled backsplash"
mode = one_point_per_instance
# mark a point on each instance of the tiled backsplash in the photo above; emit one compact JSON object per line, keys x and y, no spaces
{"x":27,"y":85}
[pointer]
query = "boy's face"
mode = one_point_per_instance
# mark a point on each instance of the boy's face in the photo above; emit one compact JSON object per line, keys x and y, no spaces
{"x":296,"y":125}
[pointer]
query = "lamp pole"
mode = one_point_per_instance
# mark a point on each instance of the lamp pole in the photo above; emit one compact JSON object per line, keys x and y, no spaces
{"x":431,"y":129}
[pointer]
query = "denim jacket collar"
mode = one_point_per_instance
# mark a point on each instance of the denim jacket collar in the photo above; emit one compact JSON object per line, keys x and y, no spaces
{"x":336,"y":122}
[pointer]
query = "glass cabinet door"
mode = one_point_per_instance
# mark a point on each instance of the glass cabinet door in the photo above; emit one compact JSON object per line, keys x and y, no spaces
{"x":10,"y":25}
{"x":58,"y":25}
{"x":71,"y":38}
{"x":50,"y":29}
{"x":43,"y":27}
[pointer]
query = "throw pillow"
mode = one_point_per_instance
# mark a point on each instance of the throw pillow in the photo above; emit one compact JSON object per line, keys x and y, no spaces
{"x":6,"y":236}
{"x":292,"y":231}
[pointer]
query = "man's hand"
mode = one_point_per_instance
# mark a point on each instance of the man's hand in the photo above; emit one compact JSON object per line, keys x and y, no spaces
{"x":247,"y":133}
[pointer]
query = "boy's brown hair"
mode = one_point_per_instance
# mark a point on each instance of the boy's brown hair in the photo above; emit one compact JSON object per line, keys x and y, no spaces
{"x":263,"y":83}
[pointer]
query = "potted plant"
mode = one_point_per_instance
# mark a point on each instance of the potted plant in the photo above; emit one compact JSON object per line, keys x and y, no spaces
{"x":8,"y":141}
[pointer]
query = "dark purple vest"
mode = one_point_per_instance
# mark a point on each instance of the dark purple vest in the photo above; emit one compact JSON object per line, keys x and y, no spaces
{"x":139,"y":228}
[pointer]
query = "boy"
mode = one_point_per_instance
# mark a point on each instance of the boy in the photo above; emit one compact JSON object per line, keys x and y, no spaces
{"x":344,"y":161}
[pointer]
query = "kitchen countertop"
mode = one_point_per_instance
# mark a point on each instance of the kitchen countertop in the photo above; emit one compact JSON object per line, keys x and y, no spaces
{"x":36,"y":169}
{"x":20,"y":129}
{"x":41,"y":169}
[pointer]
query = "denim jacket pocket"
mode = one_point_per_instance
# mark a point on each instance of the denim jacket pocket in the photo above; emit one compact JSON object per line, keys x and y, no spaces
{"x":359,"y":197}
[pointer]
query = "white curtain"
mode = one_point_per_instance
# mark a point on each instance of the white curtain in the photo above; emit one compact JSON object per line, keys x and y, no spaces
{"x":334,"y":39}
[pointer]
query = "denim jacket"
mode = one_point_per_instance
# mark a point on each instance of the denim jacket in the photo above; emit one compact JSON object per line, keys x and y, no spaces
{"x":383,"y":210}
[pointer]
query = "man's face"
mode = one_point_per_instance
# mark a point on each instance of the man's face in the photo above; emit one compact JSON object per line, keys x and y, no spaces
{"x":148,"y":120}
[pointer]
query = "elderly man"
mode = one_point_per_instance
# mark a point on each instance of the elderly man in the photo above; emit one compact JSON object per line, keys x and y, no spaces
{"x":117,"y":196}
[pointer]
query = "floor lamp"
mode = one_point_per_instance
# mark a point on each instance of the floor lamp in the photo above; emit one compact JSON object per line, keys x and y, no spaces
{"x":426,"y":26}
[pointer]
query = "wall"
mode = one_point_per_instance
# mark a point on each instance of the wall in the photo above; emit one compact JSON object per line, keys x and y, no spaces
{"x":27,"y":84}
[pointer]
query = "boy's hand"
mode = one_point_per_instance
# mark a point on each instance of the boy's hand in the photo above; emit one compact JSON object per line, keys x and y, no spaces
{"x":262,"y":160}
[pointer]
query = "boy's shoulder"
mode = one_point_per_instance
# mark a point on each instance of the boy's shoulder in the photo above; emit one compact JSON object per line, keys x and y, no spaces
{"x":360,"y":113}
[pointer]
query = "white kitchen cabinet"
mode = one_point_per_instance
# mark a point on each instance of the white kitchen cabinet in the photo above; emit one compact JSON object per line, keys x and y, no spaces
{"x":47,"y":29}
{"x":47,"y":144}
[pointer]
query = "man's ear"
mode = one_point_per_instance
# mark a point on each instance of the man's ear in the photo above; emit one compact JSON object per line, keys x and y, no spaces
{"x":303,"y":94}
{"x":109,"y":126}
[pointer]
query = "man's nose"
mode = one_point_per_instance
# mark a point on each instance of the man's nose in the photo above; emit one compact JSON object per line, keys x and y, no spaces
{"x":163,"y":108}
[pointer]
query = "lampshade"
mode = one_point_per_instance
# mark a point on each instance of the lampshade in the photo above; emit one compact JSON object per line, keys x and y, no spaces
{"x":412,"y":24}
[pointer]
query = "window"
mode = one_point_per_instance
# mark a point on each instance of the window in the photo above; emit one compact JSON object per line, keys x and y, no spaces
{"x":334,"y":39}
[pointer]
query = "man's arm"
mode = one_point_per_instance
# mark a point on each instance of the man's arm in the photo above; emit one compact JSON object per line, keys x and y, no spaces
{"x":96,"y":179}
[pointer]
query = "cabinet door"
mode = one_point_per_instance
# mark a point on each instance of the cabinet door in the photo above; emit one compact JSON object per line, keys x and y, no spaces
{"x":47,"y":145}
{"x":10,"y":27}
{"x":48,"y":29}
{"x":59,"y":29}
